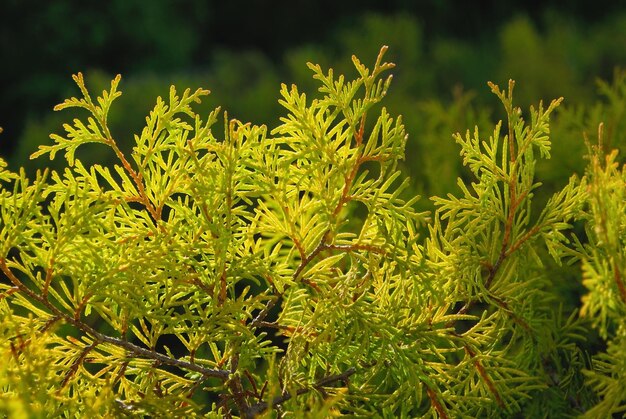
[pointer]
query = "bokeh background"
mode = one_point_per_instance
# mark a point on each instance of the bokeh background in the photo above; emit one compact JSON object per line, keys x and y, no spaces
{"x":445,"y":53}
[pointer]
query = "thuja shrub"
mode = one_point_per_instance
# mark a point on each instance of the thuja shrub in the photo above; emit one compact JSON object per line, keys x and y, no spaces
{"x":604,"y":264}
{"x":221,"y":270}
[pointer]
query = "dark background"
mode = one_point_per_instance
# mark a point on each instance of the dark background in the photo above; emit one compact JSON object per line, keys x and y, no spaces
{"x":43,"y":43}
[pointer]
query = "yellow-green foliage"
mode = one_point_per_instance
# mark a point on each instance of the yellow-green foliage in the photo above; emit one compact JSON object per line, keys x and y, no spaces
{"x":219,"y":269}
{"x":604,"y":268}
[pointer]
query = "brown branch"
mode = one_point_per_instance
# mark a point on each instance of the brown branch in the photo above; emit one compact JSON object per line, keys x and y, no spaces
{"x":345,"y":197}
{"x":506,"y":249}
{"x":82,"y":305}
{"x":358,"y":136}
{"x":345,"y":193}
{"x":260,"y":318}
{"x":49,"y":271}
{"x":252,"y":382}
{"x":304,"y":262}
{"x":515,"y":246}
{"x":137,"y":177}
{"x":9,"y":292}
{"x":238,"y":395}
{"x":485,"y":377}
{"x":617,"y":277}
{"x":517,"y":319}
{"x":102,"y":338}
{"x":49,"y":324}
{"x":262,"y":406}
{"x":76,"y":364}
{"x":298,"y":244}
{"x":263,"y":390}
{"x":356,"y":246}
{"x":121,"y":372}
{"x":223,"y":287}
{"x":151,"y":354}
{"x":434,"y":401}
{"x":294,"y":235}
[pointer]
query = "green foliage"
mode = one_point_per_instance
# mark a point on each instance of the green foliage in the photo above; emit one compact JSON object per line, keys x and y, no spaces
{"x":236,"y":271}
{"x":488,"y":249}
{"x":604,"y":264}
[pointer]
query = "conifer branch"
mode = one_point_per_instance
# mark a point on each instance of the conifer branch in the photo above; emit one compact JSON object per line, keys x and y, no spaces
{"x":343,"y":199}
{"x":102,"y":338}
{"x":617,"y":277}
{"x":9,"y":292}
{"x":434,"y":401}
{"x":528,"y":235}
{"x":303,"y":264}
{"x":485,"y":376}
{"x":259,"y":320}
{"x":236,"y":388}
{"x":260,"y":407}
{"x":76,"y":364}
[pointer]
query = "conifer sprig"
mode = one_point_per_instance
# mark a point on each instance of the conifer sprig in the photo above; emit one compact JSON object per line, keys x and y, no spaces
{"x":481,"y":241}
{"x":604,"y":264}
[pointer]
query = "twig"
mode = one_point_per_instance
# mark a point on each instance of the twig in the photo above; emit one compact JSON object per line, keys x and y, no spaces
{"x":262,"y":406}
{"x":102,"y":338}
{"x":434,"y":401}
{"x":76,"y":364}
{"x":485,"y":376}
{"x":260,"y":318}
{"x":236,"y":388}
{"x":617,"y":277}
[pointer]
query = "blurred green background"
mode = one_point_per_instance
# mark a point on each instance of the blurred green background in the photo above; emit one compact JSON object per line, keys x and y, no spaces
{"x":445,"y":53}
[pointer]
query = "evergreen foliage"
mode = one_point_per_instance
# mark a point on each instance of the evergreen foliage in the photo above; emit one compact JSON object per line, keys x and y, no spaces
{"x":603,"y":264}
{"x":222,"y":270}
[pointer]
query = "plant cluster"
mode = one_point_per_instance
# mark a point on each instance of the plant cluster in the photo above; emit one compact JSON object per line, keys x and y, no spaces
{"x":236,"y":272}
